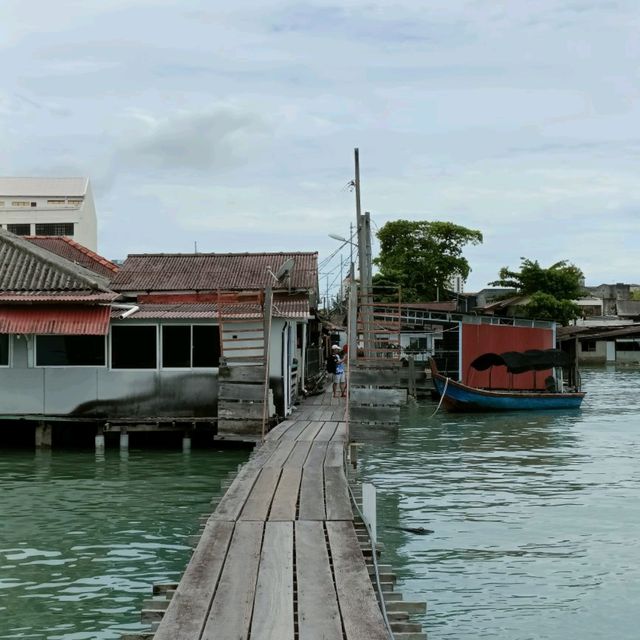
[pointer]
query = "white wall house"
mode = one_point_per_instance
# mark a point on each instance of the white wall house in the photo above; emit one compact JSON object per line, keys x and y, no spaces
{"x":49,"y":207}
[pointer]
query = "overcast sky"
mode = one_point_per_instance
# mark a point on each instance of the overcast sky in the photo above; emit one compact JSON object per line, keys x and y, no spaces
{"x":233,"y":123}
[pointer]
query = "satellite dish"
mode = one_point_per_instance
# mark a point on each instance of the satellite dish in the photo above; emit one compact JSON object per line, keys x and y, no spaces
{"x":285,"y":269}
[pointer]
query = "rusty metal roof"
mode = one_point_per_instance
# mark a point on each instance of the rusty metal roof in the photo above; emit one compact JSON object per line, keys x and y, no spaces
{"x":29,"y":269}
{"x":289,"y":307}
{"x":76,"y":253}
{"x":214,"y":271}
{"x":61,"y":320}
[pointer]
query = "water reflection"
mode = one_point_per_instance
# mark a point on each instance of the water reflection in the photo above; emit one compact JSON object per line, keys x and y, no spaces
{"x":536,"y":525}
{"x":82,"y":538}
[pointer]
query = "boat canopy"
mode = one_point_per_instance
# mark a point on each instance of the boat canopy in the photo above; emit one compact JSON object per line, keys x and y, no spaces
{"x":521,"y":361}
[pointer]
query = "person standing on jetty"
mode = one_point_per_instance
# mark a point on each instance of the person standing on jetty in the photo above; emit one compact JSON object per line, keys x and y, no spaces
{"x":339,"y":375}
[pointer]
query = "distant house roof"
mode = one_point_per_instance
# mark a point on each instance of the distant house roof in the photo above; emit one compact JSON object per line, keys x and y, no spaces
{"x":43,"y":186}
{"x":214,"y":271}
{"x":30,"y":272}
{"x":628,"y":308}
{"x":76,"y":253}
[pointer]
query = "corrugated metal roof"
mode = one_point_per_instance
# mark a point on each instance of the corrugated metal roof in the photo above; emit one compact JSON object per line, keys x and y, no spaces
{"x":82,"y":321}
{"x":25,"y":267}
{"x":74,"y":252}
{"x":294,"y":307}
{"x":60,"y":296}
{"x":39,"y":187}
{"x":213,"y":271}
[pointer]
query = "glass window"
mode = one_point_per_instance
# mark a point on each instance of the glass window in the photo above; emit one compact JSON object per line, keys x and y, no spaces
{"x":176,"y":346}
{"x":4,"y":349}
{"x":206,"y":346}
{"x":20,"y":229}
{"x":133,"y":347}
{"x":72,"y":351}
{"x":190,"y":346}
{"x":54,"y":229}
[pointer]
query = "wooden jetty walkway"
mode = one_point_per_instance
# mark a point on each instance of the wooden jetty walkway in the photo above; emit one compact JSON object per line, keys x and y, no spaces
{"x":280,"y":559}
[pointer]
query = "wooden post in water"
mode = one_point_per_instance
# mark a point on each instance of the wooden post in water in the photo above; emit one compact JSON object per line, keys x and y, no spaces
{"x":44,"y":433}
{"x":124,"y":439}
{"x":99,"y":439}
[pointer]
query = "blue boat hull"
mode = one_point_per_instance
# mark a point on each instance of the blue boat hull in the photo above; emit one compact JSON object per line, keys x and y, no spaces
{"x":460,"y":397}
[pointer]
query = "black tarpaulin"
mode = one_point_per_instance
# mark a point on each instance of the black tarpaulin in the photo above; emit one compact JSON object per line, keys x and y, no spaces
{"x":521,"y":361}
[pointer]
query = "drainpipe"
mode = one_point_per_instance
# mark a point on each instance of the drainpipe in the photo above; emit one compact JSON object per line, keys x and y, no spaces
{"x":130,"y":309}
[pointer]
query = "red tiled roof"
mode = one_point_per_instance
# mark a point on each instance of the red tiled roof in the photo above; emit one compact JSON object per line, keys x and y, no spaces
{"x":47,"y":297}
{"x":290,"y":307}
{"x":26,"y":269}
{"x":76,"y":253}
{"x":213,"y":271}
{"x":83,"y":321}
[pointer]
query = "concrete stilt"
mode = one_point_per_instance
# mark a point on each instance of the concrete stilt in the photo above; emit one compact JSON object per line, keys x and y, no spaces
{"x":44,"y":434}
{"x":99,"y":439}
{"x":124,"y":439}
{"x":186,"y":442}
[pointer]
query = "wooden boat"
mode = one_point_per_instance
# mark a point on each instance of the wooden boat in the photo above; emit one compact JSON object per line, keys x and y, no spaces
{"x":458,"y":397}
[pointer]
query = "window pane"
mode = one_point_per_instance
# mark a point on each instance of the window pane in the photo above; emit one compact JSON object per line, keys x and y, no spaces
{"x":73,"y":351}
{"x":4,"y":349}
{"x":54,"y":229}
{"x":176,"y":346}
{"x":133,"y":347}
{"x":19,"y":229}
{"x":206,"y":346}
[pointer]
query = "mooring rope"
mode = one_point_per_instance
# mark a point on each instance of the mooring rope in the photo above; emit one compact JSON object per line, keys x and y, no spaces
{"x":446,"y":384}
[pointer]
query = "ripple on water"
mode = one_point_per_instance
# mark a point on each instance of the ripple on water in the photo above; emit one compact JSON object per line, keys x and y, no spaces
{"x":535,"y":517}
{"x":84,"y":540}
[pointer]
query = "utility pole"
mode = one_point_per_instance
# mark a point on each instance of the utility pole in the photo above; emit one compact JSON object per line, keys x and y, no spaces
{"x":364,"y":261}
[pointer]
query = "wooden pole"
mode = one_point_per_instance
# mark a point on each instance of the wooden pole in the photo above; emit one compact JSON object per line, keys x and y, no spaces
{"x":267,"y":312}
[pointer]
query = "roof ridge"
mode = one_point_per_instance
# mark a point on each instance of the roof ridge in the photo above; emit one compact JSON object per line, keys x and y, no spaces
{"x":89,"y":253}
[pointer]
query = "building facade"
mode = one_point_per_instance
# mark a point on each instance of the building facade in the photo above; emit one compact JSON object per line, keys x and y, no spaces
{"x":49,"y":207}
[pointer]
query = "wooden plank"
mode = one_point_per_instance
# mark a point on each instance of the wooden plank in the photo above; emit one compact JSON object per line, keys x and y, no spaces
{"x":232,"y":502}
{"x":285,"y":501}
{"x":384,"y":397}
{"x":335,"y":455}
{"x":318,"y":613}
{"x":340,"y":434}
{"x":298,"y":455}
{"x":279,"y":429}
{"x":316,"y":456}
{"x":374,"y":414}
{"x":327,"y":431}
{"x":273,"y":607}
{"x":242,"y":373}
{"x":310,"y":432}
{"x":338,"y":502}
{"x":187,"y":612}
{"x":239,"y":410}
{"x":240,"y":391}
{"x":361,"y":616}
{"x":230,"y":428}
{"x":311,"y":505}
{"x":296,"y":429}
{"x":391,"y":378}
{"x":230,"y":614}
{"x":280,"y":455}
{"x":259,"y":500}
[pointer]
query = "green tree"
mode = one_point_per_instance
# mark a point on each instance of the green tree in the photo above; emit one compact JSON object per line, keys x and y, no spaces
{"x":422,"y":256}
{"x":551,"y":290}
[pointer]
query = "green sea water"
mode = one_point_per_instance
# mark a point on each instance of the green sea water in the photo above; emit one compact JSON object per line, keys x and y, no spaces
{"x":536,"y":523}
{"x":82,"y":539}
{"x":536,"y":516}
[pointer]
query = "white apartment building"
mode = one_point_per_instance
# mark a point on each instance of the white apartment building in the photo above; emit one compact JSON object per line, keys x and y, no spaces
{"x":49,"y":207}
